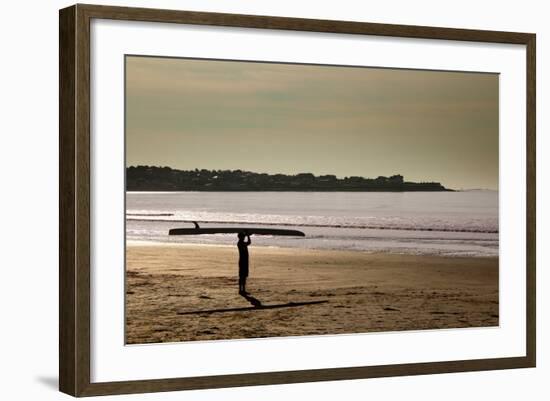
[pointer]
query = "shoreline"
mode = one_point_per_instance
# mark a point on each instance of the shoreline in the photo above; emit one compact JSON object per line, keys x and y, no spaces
{"x":186,"y":292}
{"x":152,"y":243}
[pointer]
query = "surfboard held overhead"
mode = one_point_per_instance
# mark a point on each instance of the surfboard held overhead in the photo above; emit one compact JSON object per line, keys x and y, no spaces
{"x":235,"y":230}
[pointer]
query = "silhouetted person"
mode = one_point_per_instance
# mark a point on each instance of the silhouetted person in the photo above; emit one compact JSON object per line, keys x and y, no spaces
{"x":243,"y":260}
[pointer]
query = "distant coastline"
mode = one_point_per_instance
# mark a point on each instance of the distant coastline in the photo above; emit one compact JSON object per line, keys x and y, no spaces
{"x":151,"y":178}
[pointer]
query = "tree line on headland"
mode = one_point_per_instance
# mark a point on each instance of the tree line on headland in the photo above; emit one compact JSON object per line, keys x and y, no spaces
{"x":151,"y":178}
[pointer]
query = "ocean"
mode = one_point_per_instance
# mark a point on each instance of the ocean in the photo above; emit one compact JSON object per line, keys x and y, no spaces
{"x":463,"y":223}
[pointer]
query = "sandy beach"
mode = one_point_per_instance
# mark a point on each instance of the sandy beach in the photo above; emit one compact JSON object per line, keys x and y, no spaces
{"x":189,"y":292}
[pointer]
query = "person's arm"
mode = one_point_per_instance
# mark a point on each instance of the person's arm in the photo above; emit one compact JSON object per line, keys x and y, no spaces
{"x":248,"y":238}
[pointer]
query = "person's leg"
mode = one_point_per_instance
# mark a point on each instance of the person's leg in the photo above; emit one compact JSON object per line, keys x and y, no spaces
{"x":244,"y":275}
{"x":242,"y":284}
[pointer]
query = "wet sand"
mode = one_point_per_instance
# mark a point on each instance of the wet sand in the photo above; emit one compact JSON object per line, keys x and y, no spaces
{"x":189,"y":292}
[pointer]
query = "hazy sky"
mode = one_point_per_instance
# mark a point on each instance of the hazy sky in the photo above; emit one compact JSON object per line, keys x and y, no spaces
{"x":288,"y":118}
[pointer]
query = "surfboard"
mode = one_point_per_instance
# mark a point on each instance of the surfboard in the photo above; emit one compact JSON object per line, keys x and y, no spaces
{"x":234,"y":230}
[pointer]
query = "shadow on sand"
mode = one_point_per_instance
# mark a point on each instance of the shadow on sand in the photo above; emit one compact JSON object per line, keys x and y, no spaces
{"x":256,"y":305}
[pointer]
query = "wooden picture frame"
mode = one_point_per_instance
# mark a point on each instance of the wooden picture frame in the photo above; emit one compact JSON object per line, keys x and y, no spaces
{"x":74,"y":203}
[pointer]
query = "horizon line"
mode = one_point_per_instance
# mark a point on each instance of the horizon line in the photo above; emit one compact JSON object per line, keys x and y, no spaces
{"x":256,"y":172}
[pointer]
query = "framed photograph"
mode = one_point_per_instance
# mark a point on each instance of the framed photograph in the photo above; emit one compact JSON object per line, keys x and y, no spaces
{"x":249,"y":200}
